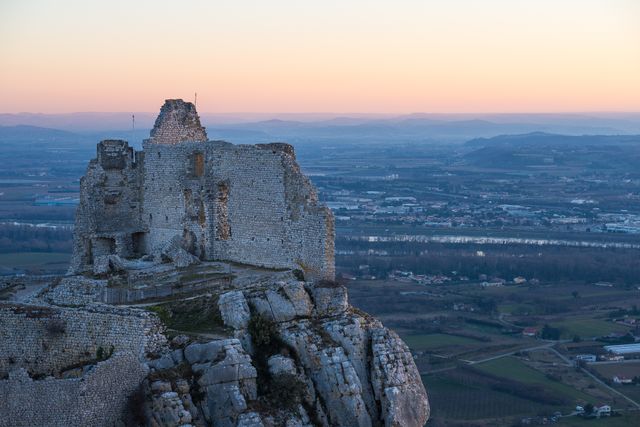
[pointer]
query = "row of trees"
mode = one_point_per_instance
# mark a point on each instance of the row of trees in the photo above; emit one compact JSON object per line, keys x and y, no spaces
{"x":543,"y":263}
{"x":34,"y":239}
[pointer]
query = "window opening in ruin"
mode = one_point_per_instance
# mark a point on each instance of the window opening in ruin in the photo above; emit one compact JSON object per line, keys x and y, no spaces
{"x":202,"y":217}
{"x":223,"y":229}
{"x":198,"y":164}
{"x":104,"y":246}
{"x":138,"y":244}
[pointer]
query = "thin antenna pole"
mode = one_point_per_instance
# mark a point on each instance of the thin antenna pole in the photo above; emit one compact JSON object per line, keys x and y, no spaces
{"x":195,"y":100}
{"x":133,"y":122}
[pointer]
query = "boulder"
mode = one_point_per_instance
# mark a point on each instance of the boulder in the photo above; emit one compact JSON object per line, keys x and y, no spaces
{"x":330,"y":298}
{"x":234,"y":309}
{"x":174,"y":252}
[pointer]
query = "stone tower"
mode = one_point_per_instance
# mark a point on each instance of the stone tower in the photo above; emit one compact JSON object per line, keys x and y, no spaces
{"x":177,"y":122}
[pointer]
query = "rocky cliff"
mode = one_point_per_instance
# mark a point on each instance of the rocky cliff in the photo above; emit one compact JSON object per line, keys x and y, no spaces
{"x":297,"y":355}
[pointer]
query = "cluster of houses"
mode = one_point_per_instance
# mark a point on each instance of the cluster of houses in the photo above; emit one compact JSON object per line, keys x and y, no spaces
{"x":424,"y":279}
{"x":598,"y":411}
{"x":439,"y":279}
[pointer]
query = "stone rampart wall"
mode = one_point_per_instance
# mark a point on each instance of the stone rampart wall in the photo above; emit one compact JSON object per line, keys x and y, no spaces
{"x":99,"y":398}
{"x":251,"y":204}
{"x":46,"y":340}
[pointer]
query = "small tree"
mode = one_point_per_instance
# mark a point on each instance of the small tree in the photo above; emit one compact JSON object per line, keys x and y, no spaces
{"x":550,"y":333}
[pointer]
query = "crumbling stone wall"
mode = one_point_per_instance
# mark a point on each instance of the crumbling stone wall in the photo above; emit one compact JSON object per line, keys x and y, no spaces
{"x":46,"y":340}
{"x":178,"y":122}
{"x":98,"y":398}
{"x":251,"y":205}
{"x":108,"y":218}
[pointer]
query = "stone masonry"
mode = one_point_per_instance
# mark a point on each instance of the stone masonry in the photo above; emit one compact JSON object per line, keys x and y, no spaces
{"x":244,"y":203}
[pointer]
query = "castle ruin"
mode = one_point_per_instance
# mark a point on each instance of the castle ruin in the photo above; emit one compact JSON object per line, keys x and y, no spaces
{"x":218,"y":201}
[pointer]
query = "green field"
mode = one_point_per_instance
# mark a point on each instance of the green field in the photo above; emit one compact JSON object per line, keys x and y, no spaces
{"x":587,"y":327}
{"x":432,"y":341}
{"x":629,"y":419}
{"x":453,"y":400}
{"x":512,"y":368}
{"x":34,"y":259}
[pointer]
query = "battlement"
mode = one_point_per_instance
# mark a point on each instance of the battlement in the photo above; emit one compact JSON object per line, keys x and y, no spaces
{"x":115,"y":154}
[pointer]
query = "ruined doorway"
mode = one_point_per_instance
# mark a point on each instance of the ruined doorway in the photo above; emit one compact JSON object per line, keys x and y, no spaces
{"x":104,"y":246}
{"x":138,"y":244}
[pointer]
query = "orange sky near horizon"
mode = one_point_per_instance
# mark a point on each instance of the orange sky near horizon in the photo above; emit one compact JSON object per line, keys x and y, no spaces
{"x":374,"y":56}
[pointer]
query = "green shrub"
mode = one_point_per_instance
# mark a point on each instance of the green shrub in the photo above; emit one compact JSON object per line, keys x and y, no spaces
{"x":286,"y":391}
{"x":264,"y":334}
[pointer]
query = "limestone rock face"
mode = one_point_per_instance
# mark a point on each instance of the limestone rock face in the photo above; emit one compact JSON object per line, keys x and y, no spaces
{"x":227,"y":378}
{"x":356,"y":372}
{"x":328,"y":365}
{"x":234,"y":309}
{"x":395,"y":379}
{"x":330,"y":299}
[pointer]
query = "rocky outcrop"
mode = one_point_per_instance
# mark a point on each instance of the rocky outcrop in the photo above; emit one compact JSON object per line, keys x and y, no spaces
{"x":340,"y":367}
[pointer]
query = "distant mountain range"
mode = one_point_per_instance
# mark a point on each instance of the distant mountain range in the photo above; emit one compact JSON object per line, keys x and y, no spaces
{"x":541,"y":139}
{"x":538,"y":149}
{"x":34,"y":133}
{"x":309,"y":127}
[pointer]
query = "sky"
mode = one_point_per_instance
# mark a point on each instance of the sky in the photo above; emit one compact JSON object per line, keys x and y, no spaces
{"x":367,"y":56}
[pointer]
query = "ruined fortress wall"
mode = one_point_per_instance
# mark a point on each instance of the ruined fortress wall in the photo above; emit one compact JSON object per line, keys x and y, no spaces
{"x":253,"y":228}
{"x":166,"y":177}
{"x":312,"y":243}
{"x":30,"y":339}
{"x":311,"y":230}
{"x":242,"y":203}
{"x":110,"y":205}
{"x":99,"y":398}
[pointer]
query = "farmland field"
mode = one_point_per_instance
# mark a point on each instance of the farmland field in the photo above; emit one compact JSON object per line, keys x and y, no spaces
{"x":629,"y":370}
{"x":431,"y":341}
{"x":451,"y":399}
{"x":587,"y":327}
{"x":628,"y":419}
{"x":514,"y":369}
